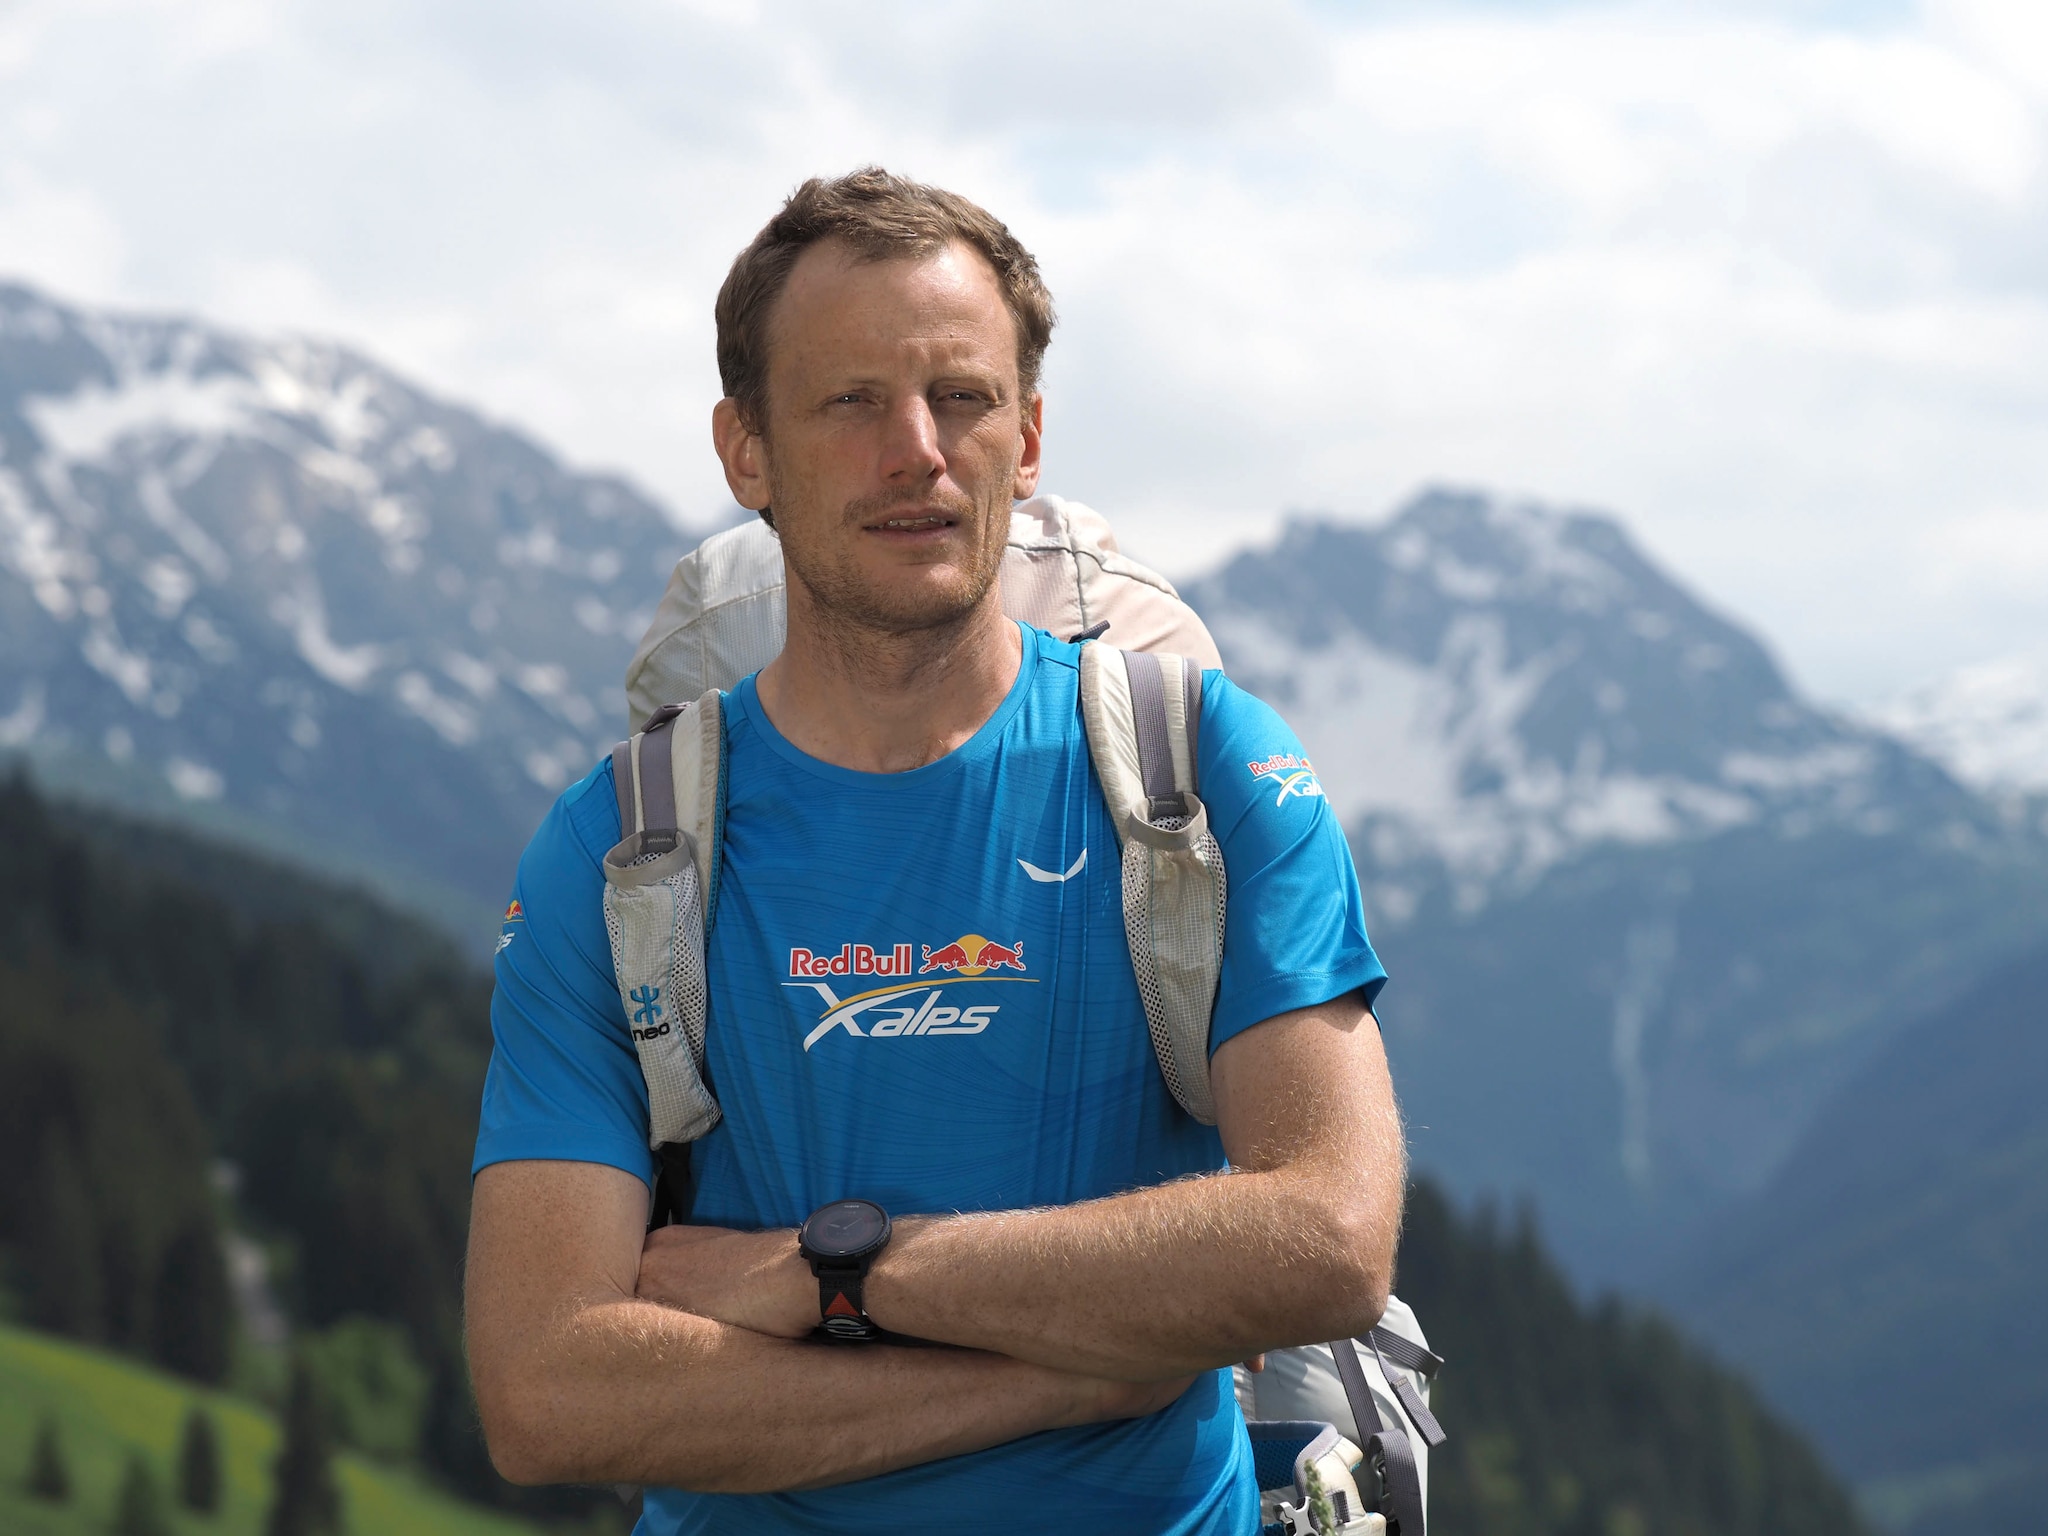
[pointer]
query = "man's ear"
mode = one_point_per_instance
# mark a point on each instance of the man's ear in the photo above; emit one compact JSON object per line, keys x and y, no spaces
{"x":1025,"y":485}
{"x":743,"y":453}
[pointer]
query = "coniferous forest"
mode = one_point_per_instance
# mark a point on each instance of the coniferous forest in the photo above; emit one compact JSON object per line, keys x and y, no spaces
{"x":194,"y":1043}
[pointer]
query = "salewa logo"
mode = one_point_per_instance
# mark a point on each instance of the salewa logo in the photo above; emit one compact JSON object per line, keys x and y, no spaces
{"x":912,"y":1008}
{"x":1295,"y":773}
{"x":1047,"y":877}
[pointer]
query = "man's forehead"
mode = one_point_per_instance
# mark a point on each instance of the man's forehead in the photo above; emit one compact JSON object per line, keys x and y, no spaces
{"x":837,"y":297}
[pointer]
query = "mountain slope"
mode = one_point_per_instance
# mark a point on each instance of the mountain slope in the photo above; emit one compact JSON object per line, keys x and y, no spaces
{"x":1645,"y":908}
{"x":1886,"y":1286}
{"x":1569,"y":1418}
{"x":270,"y":580}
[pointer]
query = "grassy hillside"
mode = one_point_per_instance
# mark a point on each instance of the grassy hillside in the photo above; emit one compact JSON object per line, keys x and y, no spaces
{"x":108,"y":1406}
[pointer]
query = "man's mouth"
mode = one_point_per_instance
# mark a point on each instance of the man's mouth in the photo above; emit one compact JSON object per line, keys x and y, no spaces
{"x":914,"y":524}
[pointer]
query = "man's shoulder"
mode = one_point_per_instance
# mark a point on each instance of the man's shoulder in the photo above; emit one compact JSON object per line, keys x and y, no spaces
{"x":1059,"y":660}
{"x":579,"y":827}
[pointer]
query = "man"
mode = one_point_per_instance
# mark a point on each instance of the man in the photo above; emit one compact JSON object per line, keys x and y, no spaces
{"x":1091,"y":1257}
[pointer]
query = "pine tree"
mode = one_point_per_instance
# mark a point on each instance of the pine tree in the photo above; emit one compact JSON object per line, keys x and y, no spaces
{"x":306,"y":1503}
{"x":194,"y":1309}
{"x":140,"y":1510}
{"x":199,"y":1463}
{"x":48,"y":1476}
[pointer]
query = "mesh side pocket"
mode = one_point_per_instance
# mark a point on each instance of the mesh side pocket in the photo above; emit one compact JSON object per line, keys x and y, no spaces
{"x":653,"y":915}
{"x":1174,"y":903}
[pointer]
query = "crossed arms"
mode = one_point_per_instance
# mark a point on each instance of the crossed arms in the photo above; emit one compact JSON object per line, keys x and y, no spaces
{"x":603,"y":1353}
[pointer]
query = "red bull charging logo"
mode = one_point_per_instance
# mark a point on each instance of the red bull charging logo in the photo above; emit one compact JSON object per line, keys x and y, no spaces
{"x":973,"y":956}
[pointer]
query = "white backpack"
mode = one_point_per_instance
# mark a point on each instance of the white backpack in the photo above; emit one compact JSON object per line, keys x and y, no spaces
{"x":1324,"y":1418}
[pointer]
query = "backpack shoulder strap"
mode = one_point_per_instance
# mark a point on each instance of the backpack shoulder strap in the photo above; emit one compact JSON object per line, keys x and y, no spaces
{"x":1389,"y":1457}
{"x":1143,"y":716}
{"x":660,"y":885}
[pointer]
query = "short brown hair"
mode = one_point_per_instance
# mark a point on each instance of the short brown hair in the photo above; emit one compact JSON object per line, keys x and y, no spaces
{"x":881,"y":216}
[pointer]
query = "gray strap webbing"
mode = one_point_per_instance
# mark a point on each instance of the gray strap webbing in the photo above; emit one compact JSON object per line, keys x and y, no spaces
{"x":1406,"y":1352}
{"x":1364,"y":1411}
{"x":655,"y":786}
{"x":1155,"y":735}
{"x":1389,"y":1458}
{"x":1410,"y":1400}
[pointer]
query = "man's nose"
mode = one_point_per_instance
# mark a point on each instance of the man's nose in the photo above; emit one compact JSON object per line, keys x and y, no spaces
{"x":910,"y":443}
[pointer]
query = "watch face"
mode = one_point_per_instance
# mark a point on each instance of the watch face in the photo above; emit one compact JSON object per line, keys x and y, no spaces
{"x":845,"y":1229}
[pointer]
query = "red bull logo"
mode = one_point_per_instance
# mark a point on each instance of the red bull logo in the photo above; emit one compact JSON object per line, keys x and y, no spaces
{"x":972,"y":955}
{"x":1281,"y":762}
{"x":514,"y":913}
{"x":852,"y":960}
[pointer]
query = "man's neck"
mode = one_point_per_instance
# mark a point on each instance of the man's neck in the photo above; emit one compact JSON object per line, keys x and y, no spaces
{"x":884,"y":702}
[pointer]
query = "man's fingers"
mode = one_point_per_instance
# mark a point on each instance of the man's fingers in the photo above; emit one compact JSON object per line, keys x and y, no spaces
{"x":1256,"y":1364}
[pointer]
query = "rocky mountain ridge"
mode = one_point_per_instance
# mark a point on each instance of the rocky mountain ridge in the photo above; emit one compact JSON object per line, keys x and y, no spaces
{"x":269,"y":577}
{"x":1494,"y":688}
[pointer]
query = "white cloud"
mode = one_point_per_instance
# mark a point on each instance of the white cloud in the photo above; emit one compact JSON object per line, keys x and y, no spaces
{"x":1776,"y":290}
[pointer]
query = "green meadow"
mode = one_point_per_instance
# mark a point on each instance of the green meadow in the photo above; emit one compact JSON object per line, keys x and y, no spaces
{"x":107,"y":1406}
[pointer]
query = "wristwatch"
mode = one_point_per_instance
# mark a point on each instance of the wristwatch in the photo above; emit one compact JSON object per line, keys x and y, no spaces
{"x":840,"y":1241}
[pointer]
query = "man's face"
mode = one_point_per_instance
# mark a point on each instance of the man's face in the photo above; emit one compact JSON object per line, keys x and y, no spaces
{"x":894,"y":442}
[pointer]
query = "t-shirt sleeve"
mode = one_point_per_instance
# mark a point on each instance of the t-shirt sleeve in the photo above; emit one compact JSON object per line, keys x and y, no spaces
{"x":564,"y":1082}
{"x":1294,"y":926}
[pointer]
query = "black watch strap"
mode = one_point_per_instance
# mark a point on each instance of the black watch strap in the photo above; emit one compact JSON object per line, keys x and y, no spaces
{"x":840,"y":1310}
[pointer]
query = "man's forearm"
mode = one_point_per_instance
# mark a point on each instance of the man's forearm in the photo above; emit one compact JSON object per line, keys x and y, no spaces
{"x":1295,"y":1247}
{"x":630,"y":1392}
{"x":578,"y":1381}
{"x":1176,"y":1279}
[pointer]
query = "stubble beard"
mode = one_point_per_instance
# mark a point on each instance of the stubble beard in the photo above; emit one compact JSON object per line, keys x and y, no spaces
{"x":857,"y":611}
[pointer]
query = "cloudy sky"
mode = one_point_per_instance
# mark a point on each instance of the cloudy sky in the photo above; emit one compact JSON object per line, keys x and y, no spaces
{"x":1770,"y":281}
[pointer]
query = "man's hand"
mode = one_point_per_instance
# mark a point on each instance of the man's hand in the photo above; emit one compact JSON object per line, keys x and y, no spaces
{"x":755,"y":1280}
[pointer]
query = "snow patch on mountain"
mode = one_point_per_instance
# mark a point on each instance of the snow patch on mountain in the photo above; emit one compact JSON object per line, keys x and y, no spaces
{"x":1489,"y":689}
{"x":294,"y":582}
{"x":1988,"y":724}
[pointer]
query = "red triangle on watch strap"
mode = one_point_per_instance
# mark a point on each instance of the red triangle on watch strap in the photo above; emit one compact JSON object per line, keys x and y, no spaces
{"x":841,"y":1307}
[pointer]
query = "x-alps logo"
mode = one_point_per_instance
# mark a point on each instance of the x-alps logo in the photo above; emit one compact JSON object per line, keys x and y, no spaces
{"x":929,"y":1001}
{"x":1289,"y":774}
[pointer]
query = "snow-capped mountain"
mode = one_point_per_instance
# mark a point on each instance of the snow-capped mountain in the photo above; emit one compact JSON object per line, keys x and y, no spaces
{"x":1644,"y":907}
{"x":269,"y":576}
{"x":1988,"y":724}
{"x":1489,"y":689}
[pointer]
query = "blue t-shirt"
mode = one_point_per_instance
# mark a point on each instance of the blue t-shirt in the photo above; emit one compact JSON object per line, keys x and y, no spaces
{"x":921,"y":994}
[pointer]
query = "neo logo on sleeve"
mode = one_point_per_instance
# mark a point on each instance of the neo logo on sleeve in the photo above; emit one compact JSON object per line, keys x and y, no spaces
{"x":906,"y":1010}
